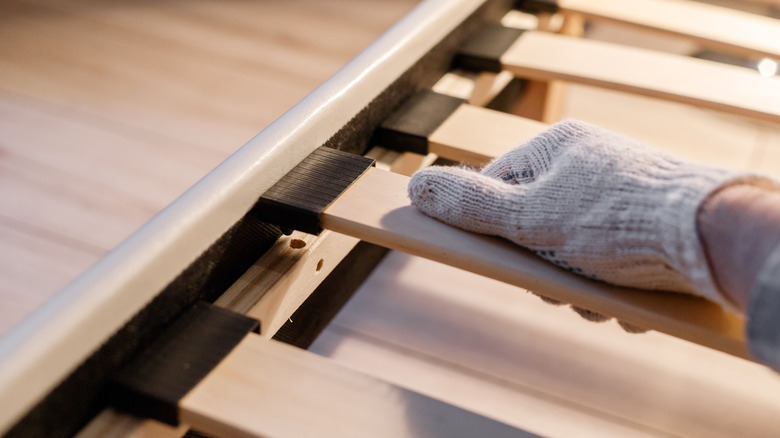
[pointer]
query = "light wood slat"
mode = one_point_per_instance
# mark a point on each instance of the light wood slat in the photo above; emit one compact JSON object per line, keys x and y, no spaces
{"x":376,"y":209}
{"x":675,"y":128}
{"x":113,"y":424}
{"x":497,"y":350}
{"x":711,"y":26}
{"x":476,"y":135}
{"x":459,"y":384}
{"x":767,"y":157}
{"x":267,"y":389}
{"x":692,"y":81}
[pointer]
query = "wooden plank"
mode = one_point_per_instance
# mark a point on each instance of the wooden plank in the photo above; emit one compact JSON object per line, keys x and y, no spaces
{"x":376,"y":209}
{"x":437,"y":376}
{"x":499,"y":351}
{"x":692,"y":81}
{"x":113,"y":424}
{"x":711,"y":26}
{"x":767,"y":156}
{"x":267,"y":389}
{"x":476,"y":135}
{"x":673,"y":127}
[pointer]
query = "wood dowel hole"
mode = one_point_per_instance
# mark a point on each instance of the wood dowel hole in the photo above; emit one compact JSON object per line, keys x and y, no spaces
{"x":319,"y":264}
{"x":297,"y":243}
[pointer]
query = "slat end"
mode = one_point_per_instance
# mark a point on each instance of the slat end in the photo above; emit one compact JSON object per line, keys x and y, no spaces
{"x":152,"y":385}
{"x":483,"y":51}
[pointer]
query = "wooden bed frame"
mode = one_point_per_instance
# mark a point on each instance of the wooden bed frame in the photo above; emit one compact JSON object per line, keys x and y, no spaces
{"x":209,"y":239}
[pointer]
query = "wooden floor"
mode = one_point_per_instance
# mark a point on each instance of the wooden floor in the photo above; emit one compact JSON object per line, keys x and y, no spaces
{"x":109,"y":110}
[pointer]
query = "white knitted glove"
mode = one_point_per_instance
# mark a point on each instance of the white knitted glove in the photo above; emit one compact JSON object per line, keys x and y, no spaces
{"x":590,"y":201}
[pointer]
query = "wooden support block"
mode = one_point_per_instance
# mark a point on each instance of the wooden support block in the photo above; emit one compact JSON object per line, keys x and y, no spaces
{"x":710,"y":26}
{"x":276,"y":285}
{"x":376,"y":209}
{"x":697,"y":82}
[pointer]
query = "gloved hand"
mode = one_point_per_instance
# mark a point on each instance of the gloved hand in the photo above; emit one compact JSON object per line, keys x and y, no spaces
{"x":592,"y":202}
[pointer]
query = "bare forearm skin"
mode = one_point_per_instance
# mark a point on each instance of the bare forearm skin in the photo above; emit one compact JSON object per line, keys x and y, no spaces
{"x":739,"y":227}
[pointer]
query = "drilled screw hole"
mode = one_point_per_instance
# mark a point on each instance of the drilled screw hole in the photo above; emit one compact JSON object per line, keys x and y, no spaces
{"x":297,"y":243}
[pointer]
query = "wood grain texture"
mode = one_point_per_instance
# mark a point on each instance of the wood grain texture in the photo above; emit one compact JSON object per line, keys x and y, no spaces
{"x":309,"y":396}
{"x":711,"y":26}
{"x":500,"y":351}
{"x":476,"y":135}
{"x":696,"y":82}
{"x":376,"y":209}
{"x":109,"y":111}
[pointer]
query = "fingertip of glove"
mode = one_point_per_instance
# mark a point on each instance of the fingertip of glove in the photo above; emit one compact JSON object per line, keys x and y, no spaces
{"x":590,"y":315}
{"x":631,"y":328}
{"x":420,"y":186}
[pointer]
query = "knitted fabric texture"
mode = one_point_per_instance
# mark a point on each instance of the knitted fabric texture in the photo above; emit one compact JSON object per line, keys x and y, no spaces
{"x":591,"y":201}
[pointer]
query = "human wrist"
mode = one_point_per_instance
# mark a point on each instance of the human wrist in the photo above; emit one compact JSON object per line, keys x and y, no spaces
{"x":738,"y":227}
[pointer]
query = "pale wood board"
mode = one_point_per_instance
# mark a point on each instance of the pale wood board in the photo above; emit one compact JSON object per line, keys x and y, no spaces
{"x":705,"y":136}
{"x":376,"y":209}
{"x":441,"y":378}
{"x":309,"y":396}
{"x":113,"y":424}
{"x":767,"y":156}
{"x":476,"y":135}
{"x":711,"y":26}
{"x":692,"y":81}
{"x":500,"y":351}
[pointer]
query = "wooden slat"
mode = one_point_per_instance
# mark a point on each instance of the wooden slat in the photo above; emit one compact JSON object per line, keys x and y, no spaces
{"x":376,"y":209}
{"x":500,"y":351}
{"x":692,"y":81}
{"x":267,"y":389}
{"x":476,"y":135}
{"x":711,"y":26}
{"x":675,"y":128}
